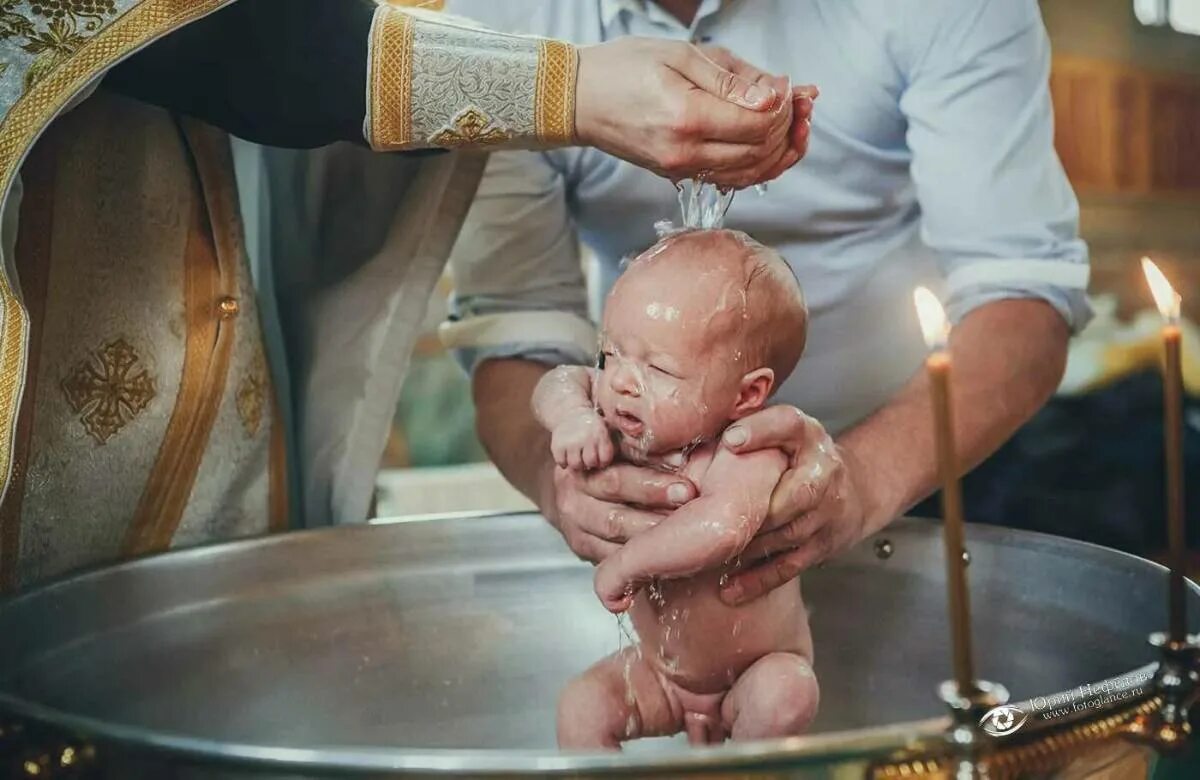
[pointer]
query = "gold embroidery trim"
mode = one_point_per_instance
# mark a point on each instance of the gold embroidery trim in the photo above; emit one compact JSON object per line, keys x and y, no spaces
{"x":472,"y":127}
{"x":554,"y":93}
{"x":20,"y":128}
{"x":424,"y":5}
{"x":251,"y":398}
{"x":33,"y":269}
{"x":390,"y":80}
{"x":214,"y":247}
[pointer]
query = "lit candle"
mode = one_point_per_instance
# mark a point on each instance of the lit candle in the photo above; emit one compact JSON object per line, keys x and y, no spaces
{"x":936,"y":330}
{"x":1167,"y":301}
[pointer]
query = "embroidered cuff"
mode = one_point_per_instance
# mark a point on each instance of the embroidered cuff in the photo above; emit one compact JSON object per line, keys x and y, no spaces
{"x":434,"y":81}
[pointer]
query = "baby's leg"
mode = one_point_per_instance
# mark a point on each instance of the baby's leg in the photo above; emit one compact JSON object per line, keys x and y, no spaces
{"x":618,"y":699}
{"x":776,"y":697}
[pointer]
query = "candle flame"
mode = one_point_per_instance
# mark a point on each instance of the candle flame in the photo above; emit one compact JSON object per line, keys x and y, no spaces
{"x":1165,"y":297}
{"x":934,"y":326}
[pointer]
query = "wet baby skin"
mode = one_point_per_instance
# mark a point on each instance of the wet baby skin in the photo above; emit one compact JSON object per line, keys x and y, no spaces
{"x":697,"y":333}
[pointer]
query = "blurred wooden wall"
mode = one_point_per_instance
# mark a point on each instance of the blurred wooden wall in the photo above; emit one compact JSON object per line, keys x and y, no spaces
{"x":1121,"y":129}
{"x":1129,"y":139}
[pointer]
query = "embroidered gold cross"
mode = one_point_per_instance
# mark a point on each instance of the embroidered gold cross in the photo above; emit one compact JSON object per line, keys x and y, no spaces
{"x":108,"y":389}
{"x":251,"y":398}
{"x":471,"y":126}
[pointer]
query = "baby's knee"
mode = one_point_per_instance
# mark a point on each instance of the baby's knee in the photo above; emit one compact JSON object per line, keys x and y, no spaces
{"x":796,"y":694}
{"x":785,"y":697}
{"x":587,"y":714}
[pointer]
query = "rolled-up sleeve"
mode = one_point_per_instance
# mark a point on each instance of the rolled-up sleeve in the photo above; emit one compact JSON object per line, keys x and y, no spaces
{"x":996,"y":204}
{"x":519,"y":288}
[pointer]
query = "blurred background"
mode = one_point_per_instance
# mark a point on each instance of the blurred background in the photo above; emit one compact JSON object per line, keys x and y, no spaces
{"x":1126,"y":90}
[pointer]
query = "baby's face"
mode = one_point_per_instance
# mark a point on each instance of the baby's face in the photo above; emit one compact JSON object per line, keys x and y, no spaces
{"x":671,"y":362}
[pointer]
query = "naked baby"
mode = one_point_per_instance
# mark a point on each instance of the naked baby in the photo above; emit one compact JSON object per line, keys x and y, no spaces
{"x":697,"y":333}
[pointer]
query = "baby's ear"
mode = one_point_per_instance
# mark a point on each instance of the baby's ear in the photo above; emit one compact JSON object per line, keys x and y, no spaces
{"x":754,"y":392}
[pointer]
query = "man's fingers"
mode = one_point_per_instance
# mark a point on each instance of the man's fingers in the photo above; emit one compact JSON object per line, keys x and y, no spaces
{"x":790,"y":158}
{"x":616,"y":523}
{"x":722,"y":160}
{"x":766,"y":577}
{"x":784,"y":427}
{"x":592,"y":548}
{"x":810,"y":91}
{"x":757,"y":162}
{"x":723,"y":83}
{"x":799,"y":491}
{"x":626,"y":484}
{"x":785,"y":538}
{"x":733,"y":63}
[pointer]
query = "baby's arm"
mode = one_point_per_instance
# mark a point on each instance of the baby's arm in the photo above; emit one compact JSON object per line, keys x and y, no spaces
{"x":735,"y":495}
{"x":562,"y":403}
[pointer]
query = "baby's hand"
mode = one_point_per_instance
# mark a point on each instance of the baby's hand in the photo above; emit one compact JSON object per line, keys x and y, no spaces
{"x":582,"y":442}
{"x":612,"y":586}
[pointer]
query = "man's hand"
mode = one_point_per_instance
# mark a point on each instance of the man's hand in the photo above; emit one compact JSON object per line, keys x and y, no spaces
{"x":1008,"y":357}
{"x":598,"y":511}
{"x":682,"y":111}
{"x":817,"y":508}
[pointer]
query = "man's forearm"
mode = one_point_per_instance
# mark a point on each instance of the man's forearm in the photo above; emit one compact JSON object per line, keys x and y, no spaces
{"x":1008,"y":357}
{"x":512,"y":436}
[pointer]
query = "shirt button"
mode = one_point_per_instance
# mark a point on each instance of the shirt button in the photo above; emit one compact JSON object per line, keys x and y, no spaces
{"x":229,"y":307}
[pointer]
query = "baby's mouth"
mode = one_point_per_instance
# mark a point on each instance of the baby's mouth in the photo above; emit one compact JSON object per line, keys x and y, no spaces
{"x":627,"y":423}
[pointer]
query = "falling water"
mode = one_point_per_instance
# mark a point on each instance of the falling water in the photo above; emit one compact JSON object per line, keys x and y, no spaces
{"x":703,"y":204}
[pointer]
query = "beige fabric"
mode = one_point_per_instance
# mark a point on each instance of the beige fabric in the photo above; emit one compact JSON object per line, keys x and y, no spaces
{"x":371,"y":236}
{"x":115,"y":279}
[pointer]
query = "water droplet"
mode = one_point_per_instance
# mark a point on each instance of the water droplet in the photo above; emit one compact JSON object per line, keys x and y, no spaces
{"x":966,"y":558}
{"x":884,"y":549}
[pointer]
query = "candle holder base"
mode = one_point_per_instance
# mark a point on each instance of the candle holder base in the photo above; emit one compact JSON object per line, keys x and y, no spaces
{"x":1177,"y":682}
{"x":965,"y":735}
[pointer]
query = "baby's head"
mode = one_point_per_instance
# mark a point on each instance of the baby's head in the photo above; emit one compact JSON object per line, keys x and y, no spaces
{"x":699,"y":331}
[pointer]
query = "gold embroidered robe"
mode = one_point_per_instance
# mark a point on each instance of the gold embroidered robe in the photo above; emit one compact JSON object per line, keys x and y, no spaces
{"x":152,"y":392}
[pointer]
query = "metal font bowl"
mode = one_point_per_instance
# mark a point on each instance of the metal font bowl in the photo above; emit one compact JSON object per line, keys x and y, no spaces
{"x":441,"y":645}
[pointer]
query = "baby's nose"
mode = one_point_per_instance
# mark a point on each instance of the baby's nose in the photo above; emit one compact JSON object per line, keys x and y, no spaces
{"x":626,"y":380}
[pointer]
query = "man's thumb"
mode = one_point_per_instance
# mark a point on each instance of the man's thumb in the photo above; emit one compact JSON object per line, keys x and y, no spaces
{"x":725,"y":84}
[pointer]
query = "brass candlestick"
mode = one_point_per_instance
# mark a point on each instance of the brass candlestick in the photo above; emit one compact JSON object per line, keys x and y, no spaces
{"x":969,"y":700}
{"x":937,"y":367}
{"x":1168,"y":303}
{"x":1177,"y":679}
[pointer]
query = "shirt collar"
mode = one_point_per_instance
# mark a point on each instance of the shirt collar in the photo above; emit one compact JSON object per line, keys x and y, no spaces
{"x":610,"y":11}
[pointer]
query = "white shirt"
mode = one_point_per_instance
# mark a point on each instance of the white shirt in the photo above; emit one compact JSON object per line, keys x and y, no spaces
{"x":931,"y":161}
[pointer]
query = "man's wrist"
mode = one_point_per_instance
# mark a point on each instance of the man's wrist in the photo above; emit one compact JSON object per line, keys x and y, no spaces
{"x":880,"y":500}
{"x":546,"y":493}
